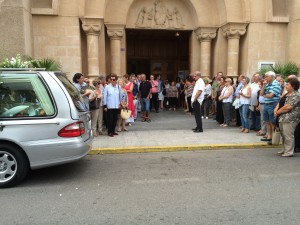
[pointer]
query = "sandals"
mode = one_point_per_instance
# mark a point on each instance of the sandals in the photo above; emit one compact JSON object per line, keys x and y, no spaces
{"x":124,"y":129}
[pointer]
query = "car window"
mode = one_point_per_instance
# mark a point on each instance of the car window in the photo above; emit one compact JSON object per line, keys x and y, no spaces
{"x":24,"y":95}
{"x":73,"y":91}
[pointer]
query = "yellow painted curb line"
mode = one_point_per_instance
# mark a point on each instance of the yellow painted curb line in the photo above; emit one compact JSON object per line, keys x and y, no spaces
{"x":144,"y":149}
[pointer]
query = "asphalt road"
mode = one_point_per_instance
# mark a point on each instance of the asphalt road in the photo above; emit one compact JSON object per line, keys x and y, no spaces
{"x":202,"y":187}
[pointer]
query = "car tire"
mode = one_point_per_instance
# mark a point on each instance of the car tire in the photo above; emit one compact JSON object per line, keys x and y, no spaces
{"x":14,"y":165}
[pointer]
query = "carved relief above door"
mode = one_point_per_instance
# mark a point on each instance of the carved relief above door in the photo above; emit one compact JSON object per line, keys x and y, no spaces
{"x":160,"y":14}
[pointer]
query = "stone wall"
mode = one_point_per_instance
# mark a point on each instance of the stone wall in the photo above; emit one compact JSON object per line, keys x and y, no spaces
{"x":15,"y":26}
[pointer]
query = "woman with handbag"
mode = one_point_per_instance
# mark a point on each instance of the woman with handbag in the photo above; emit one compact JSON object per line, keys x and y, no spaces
{"x":123,"y":106}
{"x":289,"y":116}
{"x":129,"y":89}
{"x":94,"y":105}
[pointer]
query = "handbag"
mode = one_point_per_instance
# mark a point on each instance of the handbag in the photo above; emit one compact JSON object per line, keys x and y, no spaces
{"x":95,"y":104}
{"x":276,"y":136}
{"x":125,"y":114}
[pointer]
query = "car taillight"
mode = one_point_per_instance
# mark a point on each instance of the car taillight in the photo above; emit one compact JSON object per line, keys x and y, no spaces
{"x":72,"y":130}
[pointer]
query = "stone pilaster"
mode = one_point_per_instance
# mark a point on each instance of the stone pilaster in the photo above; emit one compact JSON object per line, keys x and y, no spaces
{"x":233,"y":32}
{"x":92,"y":28}
{"x":115,"y":32}
{"x":205,"y":36}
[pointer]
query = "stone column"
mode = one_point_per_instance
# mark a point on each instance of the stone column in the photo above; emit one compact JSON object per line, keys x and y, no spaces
{"x":233,"y":31}
{"x":205,"y":35}
{"x":92,"y":28}
{"x":115,"y":33}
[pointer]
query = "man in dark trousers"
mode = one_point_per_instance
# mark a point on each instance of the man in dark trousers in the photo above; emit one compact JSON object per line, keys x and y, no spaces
{"x":197,"y":99}
{"x":144,"y":93}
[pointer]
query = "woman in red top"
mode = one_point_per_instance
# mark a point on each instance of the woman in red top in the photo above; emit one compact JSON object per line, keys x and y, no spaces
{"x":154,"y":93}
{"x":129,"y":87}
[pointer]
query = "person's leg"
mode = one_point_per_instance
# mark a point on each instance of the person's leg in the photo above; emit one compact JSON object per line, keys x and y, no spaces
{"x":288,"y":133}
{"x":262,"y":119}
{"x":147,"y":106}
{"x":94,"y":115}
{"x":109,"y":116}
{"x":240,"y":113}
{"x":115,"y":118}
{"x":226,"y":112}
{"x":197,"y":112}
{"x":297,"y":138}
{"x":207,"y":107}
{"x":100,"y":119}
{"x":245,"y":115}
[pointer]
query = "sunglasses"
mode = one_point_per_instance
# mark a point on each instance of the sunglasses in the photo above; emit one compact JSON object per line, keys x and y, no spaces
{"x":112,"y":79}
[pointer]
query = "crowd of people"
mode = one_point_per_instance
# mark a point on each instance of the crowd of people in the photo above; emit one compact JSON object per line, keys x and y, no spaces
{"x":258,"y":103}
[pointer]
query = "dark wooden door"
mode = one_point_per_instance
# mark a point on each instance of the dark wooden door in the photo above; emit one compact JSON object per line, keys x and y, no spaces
{"x":157,"y":52}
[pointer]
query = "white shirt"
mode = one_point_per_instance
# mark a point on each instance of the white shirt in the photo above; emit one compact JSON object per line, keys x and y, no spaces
{"x":199,"y":86}
{"x":254,"y":90}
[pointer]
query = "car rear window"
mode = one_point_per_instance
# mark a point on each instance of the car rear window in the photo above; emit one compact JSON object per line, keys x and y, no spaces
{"x":24,"y":95}
{"x":73,"y":91}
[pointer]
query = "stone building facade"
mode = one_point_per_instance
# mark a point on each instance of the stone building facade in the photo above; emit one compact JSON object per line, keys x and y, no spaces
{"x":153,"y":36}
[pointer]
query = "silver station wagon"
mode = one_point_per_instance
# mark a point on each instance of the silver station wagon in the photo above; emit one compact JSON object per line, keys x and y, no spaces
{"x":43,"y":122}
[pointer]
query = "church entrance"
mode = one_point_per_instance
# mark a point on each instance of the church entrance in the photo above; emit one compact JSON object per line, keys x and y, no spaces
{"x":158,"y":52}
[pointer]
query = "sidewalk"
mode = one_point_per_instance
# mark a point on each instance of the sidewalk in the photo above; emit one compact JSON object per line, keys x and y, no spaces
{"x":172,"y":131}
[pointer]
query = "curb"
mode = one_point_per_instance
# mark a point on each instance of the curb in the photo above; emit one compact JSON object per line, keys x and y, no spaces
{"x":146,"y":149}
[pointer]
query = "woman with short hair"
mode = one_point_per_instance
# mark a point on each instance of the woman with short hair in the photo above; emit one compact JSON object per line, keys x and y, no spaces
{"x":245,"y":95}
{"x":96,"y":95}
{"x":226,"y":97}
{"x":289,"y":116}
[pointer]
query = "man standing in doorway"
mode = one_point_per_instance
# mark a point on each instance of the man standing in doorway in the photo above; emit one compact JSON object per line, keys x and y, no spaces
{"x":197,"y":98}
{"x":145,"y":92}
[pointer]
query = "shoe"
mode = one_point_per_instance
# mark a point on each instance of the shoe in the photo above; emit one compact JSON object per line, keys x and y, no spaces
{"x":174,"y":109}
{"x":202,"y":117}
{"x":170,"y":109}
{"x":119,"y":130}
{"x":111,"y":134}
{"x":266,"y":139}
{"x":198,"y":131}
{"x":280,"y":153}
{"x":206,"y":117}
{"x":114,"y":133}
{"x":124,"y":129}
{"x":287,"y":155}
{"x":269,"y":142}
{"x":246,"y":131}
{"x":242,"y":130}
{"x":194,"y":129}
{"x":225,"y":125}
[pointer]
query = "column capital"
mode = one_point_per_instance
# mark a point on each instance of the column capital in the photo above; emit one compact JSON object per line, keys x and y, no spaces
{"x":234,"y":30}
{"x":115,"y":31}
{"x":92,"y":26}
{"x":206,"y":33}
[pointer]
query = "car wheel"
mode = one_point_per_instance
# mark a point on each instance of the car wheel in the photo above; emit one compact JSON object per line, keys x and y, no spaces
{"x":14,"y":165}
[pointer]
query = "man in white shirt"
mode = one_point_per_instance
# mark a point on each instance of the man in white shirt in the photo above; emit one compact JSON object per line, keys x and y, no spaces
{"x":197,"y":99}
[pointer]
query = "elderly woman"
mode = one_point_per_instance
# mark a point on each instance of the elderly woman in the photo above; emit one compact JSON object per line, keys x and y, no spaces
{"x":226,"y":97}
{"x":173,"y":96}
{"x":95,"y":97}
{"x":207,"y":99}
{"x":288,"y":111}
{"x":245,"y":95}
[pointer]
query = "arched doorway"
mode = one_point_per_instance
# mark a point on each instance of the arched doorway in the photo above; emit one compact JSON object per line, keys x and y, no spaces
{"x":158,"y":52}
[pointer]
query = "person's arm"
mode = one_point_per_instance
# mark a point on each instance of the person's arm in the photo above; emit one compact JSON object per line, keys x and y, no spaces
{"x":248,"y":95}
{"x":284,"y":109}
{"x":105,"y":99}
{"x":148,"y":96}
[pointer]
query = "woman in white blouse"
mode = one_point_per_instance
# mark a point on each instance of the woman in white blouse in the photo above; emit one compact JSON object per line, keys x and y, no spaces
{"x":245,"y":95}
{"x":226,"y":97}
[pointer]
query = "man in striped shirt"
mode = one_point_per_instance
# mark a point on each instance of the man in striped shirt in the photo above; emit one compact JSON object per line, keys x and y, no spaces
{"x":271,"y":92}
